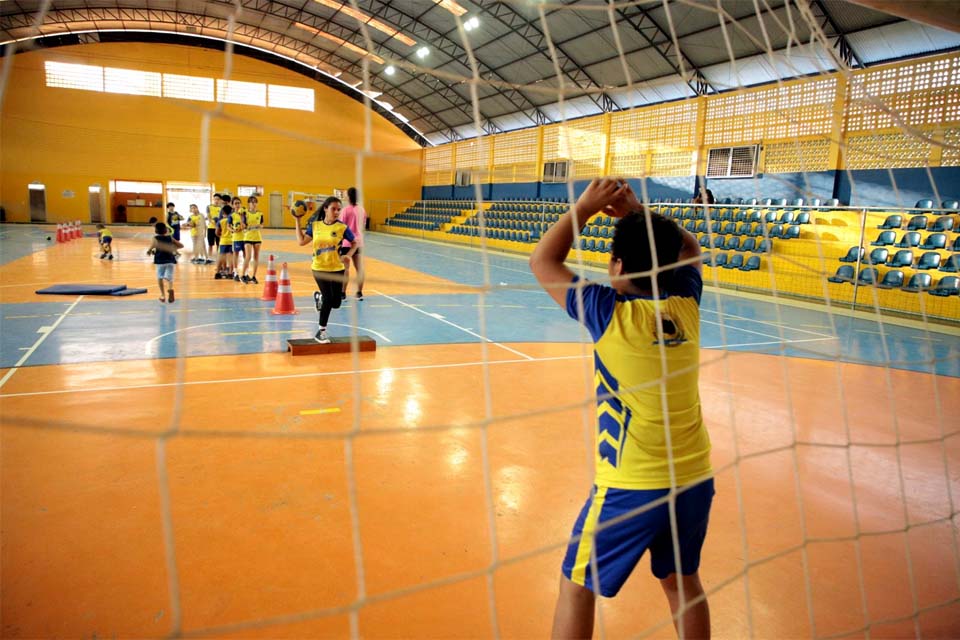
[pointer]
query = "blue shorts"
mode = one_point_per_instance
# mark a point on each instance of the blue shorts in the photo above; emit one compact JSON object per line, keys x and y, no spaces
{"x":237,"y":247}
{"x":226,"y":248}
{"x":106,"y":240}
{"x":620,"y":546}
{"x":165,"y":272}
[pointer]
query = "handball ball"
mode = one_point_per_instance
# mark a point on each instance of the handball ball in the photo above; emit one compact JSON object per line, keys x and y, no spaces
{"x":48,"y":238}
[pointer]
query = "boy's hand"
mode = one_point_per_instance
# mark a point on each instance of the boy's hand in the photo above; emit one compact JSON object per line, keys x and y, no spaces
{"x":601,"y":193}
{"x":627,"y":203}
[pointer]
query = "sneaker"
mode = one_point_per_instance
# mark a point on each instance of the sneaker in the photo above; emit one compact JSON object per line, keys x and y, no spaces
{"x":218,"y":276}
{"x":317,"y":300}
{"x":102,"y":256}
{"x":170,"y":296}
{"x":322,"y":337}
{"x":253,"y":280}
{"x":359,"y":295}
{"x":236,"y":278}
{"x":245,"y":279}
{"x":208,"y":261}
{"x":110,"y":257}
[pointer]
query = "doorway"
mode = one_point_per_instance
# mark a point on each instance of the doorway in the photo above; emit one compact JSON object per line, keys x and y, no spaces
{"x":38,"y":202}
{"x":95,"y":201}
{"x":276,"y":209}
{"x":184,"y":194}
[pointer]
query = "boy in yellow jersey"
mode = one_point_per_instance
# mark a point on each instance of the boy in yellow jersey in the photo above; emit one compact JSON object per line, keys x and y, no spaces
{"x":326,"y":233}
{"x":236,"y":229}
{"x":252,"y":224}
{"x":213,"y":214}
{"x":653,"y":475}
{"x":198,"y":235}
{"x":106,"y":242}
{"x":225,"y":259}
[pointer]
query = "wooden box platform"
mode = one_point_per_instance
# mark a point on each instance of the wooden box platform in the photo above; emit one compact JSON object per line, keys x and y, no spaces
{"x":309,"y":346}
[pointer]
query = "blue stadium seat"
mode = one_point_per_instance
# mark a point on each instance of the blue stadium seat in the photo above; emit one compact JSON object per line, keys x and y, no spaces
{"x":730,"y":227}
{"x":843,"y":275}
{"x":902,"y":258}
{"x":892,"y":280}
{"x":764,"y":246}
{"x":775,"y":231}
{"x":867,"y":276}
{"x":879,"y":256}
{"x":943,"y":223}
{"x":591,"y":245}
{"x":770,"y":216}
{"x":885,"y":238}
{"x":924,"y":204}
{"x":797,"y":202}
{"x":918,"y":282}
{"x":956,"y":244}
{"x":948,"y":286}
{"x":748,"y":244}
{"x":910,"y":239}
{"x":791,"y":233}
{"x":752,"y":264}
{"x":732,"y":244}
{"x":735,"y":261}
{"x":935,"y":241}
{"x":803,"y":218}
{"x":719,"y":259}
{"x":702,"y":226}
{"x":704,"y":240}
{"x":853,"y":254}
{"x":917,"y":223}
{"x":786,"y":217}
{"x":929,"y":260}
{"x":950,"y":205}
{"x":952,"y":265}
{"x":892,"y":222}
{"x":691,"y":226}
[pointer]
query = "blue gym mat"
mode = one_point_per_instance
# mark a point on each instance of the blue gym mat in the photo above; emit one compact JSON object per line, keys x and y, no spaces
{"x":90,"y":290}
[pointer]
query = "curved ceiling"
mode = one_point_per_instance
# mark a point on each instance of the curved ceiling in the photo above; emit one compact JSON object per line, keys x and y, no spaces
{"x":522,"y":63}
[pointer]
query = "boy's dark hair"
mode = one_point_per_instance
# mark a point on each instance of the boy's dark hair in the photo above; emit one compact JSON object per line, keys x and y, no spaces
{"x":170,"y":204}
{"x":101,"y":226}
{"x":217,"y":195}
{"x":160,"y":228}
{"x":631,"y":245}
{"x":352,"y":195}
{"x":226,"y":210}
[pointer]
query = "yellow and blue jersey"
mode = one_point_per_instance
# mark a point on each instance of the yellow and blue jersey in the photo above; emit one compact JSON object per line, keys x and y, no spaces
{"x":197,"y":224}
{"x":236,"y":224}
{"x":631,"y":380}
{"x":105,"y":235}
{"x":326,"y":243}
{"x":254,"y":222}
{"x":226,"y":232}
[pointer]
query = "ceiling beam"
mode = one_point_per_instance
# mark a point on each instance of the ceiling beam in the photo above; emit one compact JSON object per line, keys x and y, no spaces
{"x":844,"y":48}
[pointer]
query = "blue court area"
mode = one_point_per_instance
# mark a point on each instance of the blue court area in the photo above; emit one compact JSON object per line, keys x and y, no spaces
{"x":511,"y":310}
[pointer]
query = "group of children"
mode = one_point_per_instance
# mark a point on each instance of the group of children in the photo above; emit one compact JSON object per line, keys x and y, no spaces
{"x":236,"y":230}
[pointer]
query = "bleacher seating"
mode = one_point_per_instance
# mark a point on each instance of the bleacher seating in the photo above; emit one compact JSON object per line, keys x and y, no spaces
{"x":853,"y":254}
{"x":891,"y":280}
{"x":948,"y":286}
{"x":918,"y":282}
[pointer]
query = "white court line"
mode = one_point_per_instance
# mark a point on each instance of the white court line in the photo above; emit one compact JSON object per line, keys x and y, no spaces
{"x":217,"y":324}
{"x":772,"y":324}
{"x":756,"y":333}
{"x":315,"y":374}
{"x":761,"y":344}
{"x":456,"y":326}
{"x":39,"y":341}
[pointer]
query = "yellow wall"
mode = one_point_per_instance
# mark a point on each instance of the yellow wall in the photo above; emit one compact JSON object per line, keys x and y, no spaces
{"x":70,"y":139}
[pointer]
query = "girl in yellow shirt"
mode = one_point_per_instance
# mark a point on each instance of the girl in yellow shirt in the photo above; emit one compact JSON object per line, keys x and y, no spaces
{"x":253,"y":223}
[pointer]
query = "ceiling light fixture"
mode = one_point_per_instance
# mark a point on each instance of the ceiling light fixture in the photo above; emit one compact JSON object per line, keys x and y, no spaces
{"x":471,"y":23}
{"x":390,"y":70}
{"x":451,"y":6}
{"x":340,"y":41}
{"x":371,"y":21}
{"x":423,"y":52}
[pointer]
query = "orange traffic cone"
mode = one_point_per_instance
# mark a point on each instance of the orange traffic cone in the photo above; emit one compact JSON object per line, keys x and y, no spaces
{"x":68,"y":231}
{"x":79,"y":229}
{"x":270,"y":284}
{"x":284,"y":305}
{"x":59,"y":232}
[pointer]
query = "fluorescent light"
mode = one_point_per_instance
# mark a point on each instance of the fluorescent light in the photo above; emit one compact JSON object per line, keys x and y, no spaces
{"x":423,"y":52}
{"x":451,"y":6}
{"x":471,"y":23}
{"x":36,"y":186}
{"x":340,"y":41}
{"x":94,"y":188}
{"x":390,"y":70}
{"x":362,"y":17}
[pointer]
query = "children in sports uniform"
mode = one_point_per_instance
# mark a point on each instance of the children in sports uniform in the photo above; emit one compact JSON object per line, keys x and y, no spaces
{"x":253,"y":223}
{"x":225,"y":259}
{"x":326,"y":233}
{"x":213,"y":214}
{"x":236,"y":230}
{"x":163,"y":248}
{"x":173,"y":220}
{"x":106,"y":242}
{"x":653,"y":487}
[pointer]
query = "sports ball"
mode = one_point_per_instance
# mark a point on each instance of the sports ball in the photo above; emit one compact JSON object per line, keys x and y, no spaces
{"x":48,"y":238}
{"x":299,"y":209}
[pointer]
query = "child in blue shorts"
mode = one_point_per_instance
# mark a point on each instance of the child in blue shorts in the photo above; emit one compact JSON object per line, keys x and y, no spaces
{"x":653,"y":484}
{"x":163,"y":248}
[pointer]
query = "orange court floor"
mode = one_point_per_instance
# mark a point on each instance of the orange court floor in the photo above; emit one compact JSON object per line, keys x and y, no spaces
{"x":169,"y":470}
